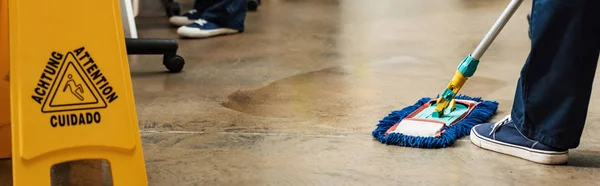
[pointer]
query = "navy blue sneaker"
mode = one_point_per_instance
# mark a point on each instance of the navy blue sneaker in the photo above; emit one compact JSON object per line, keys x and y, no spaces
{"x":186,"y":19}
{"x":202,"y":28}
{"x":503,"y":137}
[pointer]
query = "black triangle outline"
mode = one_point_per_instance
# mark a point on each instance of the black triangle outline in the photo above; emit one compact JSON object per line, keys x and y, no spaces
{"x":51,"y":94}
{"x":84,"y":81}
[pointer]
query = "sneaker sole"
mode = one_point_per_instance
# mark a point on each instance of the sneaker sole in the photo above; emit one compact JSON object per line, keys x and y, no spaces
{"x":538,"y":156}
{"x":195,"y":33}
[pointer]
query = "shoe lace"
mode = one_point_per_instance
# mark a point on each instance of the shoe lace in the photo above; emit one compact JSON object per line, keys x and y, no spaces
{"x":503,"y":121}
{"x":200,"y":22}
{"x":192,"y":11}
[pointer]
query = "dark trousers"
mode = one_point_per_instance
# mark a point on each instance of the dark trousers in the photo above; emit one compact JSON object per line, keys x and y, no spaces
{"x":225,"y":13}
{"x":553,"y":91}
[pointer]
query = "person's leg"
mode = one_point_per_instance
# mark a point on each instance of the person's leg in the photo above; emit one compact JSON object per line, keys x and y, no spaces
{"x":223,"y":17}
{"x":202,"y":5}
{"x":554,"y":89}
{"x":553,"y":92}
{"x":227,"y":13}
{"x":193,"y":15}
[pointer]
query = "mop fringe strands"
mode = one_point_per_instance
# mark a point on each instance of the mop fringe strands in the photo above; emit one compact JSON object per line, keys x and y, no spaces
{"x":480,"y":113}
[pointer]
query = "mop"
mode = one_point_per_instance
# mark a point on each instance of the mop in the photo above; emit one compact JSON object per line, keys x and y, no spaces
{"x":439,"y":122}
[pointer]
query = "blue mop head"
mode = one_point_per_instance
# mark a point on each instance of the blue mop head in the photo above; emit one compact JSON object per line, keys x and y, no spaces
{"x":480,"y":114}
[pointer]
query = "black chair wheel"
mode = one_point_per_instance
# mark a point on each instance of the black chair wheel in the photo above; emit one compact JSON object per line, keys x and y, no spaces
{"x":175,"y":8}
{"x":174,"y":64}
{"x":253,"y":5}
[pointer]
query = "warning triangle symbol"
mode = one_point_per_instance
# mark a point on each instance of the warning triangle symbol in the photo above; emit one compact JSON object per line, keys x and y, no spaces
{"x":72,"y":89}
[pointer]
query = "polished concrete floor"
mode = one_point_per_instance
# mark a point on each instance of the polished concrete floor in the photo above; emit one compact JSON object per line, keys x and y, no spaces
{"x":293,"y":100}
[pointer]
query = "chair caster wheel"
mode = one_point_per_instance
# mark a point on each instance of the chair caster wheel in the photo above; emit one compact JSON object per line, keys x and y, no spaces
{"x":174,"y":63}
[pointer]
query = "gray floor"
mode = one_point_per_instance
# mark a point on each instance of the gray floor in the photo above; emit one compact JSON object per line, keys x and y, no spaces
{"x":293,"y":100}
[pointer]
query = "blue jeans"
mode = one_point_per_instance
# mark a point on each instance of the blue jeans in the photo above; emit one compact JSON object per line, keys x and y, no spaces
{"x":225,"y":13}
{"x":553,"y":91}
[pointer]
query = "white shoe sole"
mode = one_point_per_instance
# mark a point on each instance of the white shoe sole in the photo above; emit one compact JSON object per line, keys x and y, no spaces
{"x":197,"y":33}
{"x":180,"y":20}
{"x":538,"y":156}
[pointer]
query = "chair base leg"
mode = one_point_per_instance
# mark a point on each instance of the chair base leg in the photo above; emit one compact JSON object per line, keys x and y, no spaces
{"x":166,"y":47}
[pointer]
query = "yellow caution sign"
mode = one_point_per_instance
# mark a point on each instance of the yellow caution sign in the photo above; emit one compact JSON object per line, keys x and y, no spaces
{"x":72,"y":95}
{"x":5,"y":144}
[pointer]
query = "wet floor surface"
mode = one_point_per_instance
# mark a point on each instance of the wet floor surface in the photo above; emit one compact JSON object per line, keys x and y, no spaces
{"x":293,"y":99}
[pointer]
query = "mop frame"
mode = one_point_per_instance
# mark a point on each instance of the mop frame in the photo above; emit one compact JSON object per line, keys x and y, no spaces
{"x":480,"y":113}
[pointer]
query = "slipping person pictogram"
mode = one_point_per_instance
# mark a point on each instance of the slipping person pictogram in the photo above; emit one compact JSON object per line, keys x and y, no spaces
{"x":78,"y":88}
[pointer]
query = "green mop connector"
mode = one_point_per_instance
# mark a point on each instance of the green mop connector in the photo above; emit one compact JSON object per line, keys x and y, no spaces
{"x":448,"y":95}
{"x":468,"y":66}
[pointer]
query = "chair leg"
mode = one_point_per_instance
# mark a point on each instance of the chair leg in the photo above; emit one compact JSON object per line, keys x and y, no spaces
{"x":166,"y":47}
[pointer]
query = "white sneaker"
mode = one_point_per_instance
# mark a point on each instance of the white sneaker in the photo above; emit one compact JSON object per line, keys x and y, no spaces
{"x":202,"y":28}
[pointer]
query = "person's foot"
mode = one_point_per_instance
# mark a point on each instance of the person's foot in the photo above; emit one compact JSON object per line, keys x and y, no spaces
{"x":504,"y":137}
{"x":185,"y":19}
{"x":202,"y":28}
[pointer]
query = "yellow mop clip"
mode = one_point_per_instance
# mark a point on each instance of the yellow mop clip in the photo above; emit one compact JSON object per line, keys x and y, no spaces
{"x":465,"y":69}
{"x":447,"y":98}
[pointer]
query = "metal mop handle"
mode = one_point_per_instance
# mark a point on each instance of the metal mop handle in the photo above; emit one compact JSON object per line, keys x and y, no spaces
{"x":491,"y":35}
{"x":467,"y":67}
